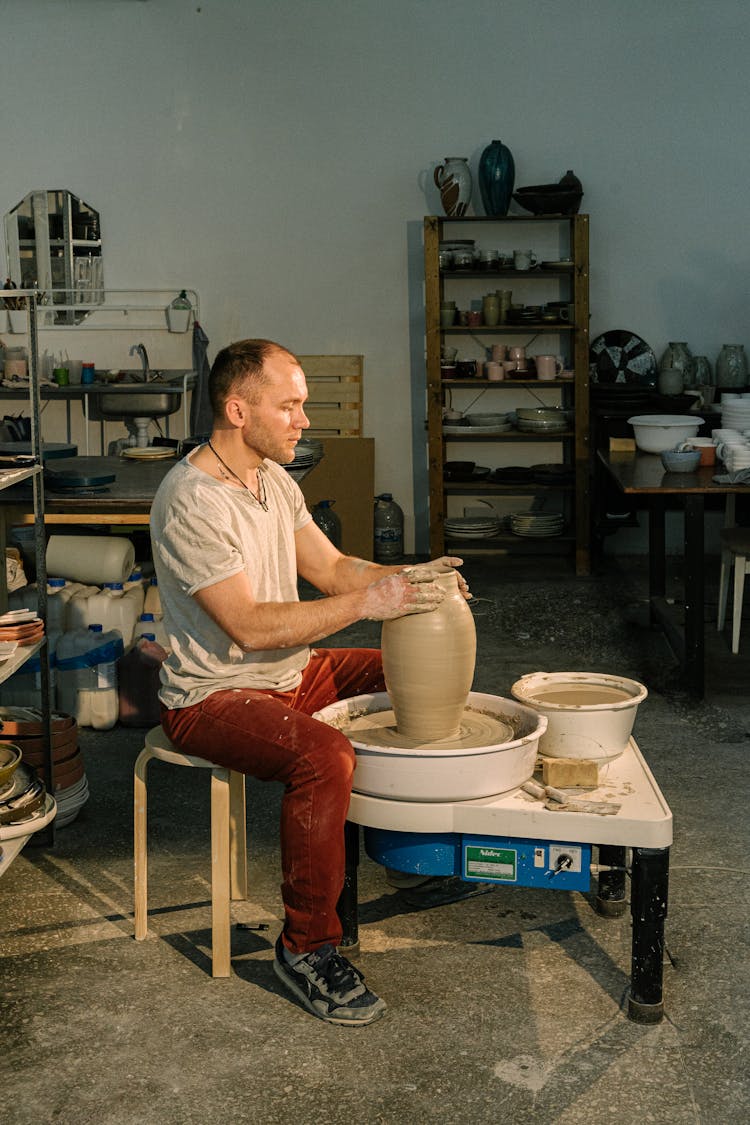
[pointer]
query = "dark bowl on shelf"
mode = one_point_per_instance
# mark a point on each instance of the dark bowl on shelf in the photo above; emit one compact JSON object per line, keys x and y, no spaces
{"x":451,"y":467}
{"x":549,"y":199}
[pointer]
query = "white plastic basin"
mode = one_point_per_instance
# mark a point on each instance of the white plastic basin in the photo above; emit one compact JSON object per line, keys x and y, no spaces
{"x":656,"y":432}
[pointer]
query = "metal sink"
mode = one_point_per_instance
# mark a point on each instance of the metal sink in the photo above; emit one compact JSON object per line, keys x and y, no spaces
{"x":130,"y":397}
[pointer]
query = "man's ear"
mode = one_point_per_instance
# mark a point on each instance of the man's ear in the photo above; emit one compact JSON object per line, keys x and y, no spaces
{"x":236,"y":411}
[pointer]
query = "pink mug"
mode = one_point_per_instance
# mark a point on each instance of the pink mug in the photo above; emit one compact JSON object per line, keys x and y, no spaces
{"x":547,"y":366}
{"x":495,"y":372}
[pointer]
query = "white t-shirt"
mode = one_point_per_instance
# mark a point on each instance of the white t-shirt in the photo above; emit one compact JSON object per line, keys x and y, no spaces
{"x":202,"y":532}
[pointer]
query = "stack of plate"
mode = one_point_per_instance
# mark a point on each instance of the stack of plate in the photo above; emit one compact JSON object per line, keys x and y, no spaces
{"x":70,"y":801}
{"x":307,"y":453}
{"x":472,"y":527}
{"x":537,"y":525}
{"x":148,"y":453}
{"x":735,"y":414}
{"x":23,"y":626}
{"x":24,"y":725}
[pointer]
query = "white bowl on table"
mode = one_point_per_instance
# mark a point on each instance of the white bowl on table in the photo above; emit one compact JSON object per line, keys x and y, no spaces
{"x":655,"y":433}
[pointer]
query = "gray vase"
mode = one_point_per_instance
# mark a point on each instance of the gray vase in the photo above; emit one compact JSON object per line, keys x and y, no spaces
{"x":731,"y":366}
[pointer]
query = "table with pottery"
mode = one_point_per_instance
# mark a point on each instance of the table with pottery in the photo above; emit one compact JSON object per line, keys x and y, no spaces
{"x":514,"y":791}
{"x":644,"y":474}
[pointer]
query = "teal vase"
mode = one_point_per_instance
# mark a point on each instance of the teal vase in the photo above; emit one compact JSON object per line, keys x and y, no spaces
{"x":497,"y":175}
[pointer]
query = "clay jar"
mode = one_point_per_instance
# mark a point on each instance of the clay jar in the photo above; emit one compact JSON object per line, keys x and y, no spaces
{"x":428,"y":664}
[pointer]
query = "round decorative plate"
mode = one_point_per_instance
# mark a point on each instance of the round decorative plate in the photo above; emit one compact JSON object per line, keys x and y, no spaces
{"x":622,"y":357}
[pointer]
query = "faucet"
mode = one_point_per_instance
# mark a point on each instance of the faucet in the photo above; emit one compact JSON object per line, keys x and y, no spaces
{"x":140,"y":350}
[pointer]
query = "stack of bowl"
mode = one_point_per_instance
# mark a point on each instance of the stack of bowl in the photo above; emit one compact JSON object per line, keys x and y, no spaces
{"x":543,"y":420}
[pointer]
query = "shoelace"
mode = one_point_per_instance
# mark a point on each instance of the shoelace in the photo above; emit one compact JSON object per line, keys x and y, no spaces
{"x":340,"y":975}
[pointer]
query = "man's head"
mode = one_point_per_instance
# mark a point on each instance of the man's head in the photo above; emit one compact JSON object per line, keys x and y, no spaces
{"x":258,"y":392}
{"x":239,"y":369}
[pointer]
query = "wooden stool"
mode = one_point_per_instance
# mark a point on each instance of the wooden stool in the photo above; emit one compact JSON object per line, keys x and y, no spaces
{"x":228,"y":843}
{"x":735,"y":547}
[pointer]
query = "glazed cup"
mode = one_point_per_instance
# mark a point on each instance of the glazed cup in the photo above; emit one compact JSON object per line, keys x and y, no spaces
{"x":495,"y":372}
{"x":547,"y":367}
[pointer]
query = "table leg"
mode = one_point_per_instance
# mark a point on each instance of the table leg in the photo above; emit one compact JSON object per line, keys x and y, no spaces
{"x":694,"y":596}
{"x":610,"y":894}
{"x":657,"y":567}
{"x":346,"y":908}
{"x":648,"y":907}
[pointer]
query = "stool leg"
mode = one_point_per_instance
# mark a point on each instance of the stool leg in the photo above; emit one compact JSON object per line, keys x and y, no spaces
{"x":726,"y":564}
{"x":237,"y":836}
{"x":220,"y":942}
{"x":140,"y":849}
{"x":740,"y":564}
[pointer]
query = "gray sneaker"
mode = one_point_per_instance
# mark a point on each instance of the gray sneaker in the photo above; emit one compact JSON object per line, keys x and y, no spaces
{"x":329,"y":986}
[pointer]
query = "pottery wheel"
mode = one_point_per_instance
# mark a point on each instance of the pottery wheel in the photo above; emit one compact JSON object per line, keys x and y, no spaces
{"x":379,"y":729}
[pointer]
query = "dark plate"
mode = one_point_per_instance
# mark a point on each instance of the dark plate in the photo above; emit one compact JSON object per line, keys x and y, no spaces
{"x":481,"y":472}
{"x":620,"y":356}
{"x":77,"y":473}
{"x":51,"y":450}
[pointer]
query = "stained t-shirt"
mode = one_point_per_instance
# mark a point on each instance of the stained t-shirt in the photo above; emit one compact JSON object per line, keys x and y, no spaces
{"x":202,"y":532}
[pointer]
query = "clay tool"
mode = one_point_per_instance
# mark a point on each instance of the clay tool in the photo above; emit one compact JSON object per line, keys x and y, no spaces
{"x":557,"y":801}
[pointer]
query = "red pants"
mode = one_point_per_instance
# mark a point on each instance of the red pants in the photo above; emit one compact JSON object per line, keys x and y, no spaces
{"x":270,"y":735}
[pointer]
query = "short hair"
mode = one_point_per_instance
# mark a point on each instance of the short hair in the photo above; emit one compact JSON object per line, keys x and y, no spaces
{"x":239,"y":368}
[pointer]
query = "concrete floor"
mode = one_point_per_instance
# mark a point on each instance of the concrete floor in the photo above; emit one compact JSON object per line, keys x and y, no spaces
{"x":503,"y":1007}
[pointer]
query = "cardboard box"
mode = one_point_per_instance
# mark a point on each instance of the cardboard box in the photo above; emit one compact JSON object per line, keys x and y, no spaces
{"x":346,"y":474}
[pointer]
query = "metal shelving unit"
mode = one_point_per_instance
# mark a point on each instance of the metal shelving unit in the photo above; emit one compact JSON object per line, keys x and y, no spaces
{"x":13,"y":837}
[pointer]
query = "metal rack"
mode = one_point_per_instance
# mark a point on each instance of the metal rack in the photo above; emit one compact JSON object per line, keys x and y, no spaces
{"x":29,"y":300}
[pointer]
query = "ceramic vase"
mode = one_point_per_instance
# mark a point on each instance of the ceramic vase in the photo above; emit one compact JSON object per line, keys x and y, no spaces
{"x":497,"y":174}
{"x":428,"y":664}
{"x":702,"y":371}
{"x":453,"y":178}
{"x":731,"y":366}
{"x":678,"y":357}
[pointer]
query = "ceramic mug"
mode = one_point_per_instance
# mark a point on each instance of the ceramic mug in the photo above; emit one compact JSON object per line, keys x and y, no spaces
{"x":475,"y":318}
{"x":547,"y":366}
{"x":706,"y":447}
{"x":495,"y":372}
{"x":498,"y":352}
{"x":524,"y":259}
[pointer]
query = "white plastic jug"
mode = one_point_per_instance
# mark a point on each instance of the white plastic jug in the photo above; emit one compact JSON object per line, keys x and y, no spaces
{"x":152,"y":601}
{"x":135,"y":587}
{"x":24,"y":687}
{"x":115,"y":609}
{"x":79,"y":607}
{"x":87,"y":675}
{"x":150,"y":626}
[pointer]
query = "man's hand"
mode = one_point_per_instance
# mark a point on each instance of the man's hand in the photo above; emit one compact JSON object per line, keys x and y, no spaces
{"x":400,"y":594}
{"x":425,"y":572}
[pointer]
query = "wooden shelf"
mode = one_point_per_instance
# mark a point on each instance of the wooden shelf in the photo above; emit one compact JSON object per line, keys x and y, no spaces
{"x":569,"y":234}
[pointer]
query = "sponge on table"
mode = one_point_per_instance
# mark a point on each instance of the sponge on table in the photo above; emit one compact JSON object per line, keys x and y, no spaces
{"x":570,"y":773}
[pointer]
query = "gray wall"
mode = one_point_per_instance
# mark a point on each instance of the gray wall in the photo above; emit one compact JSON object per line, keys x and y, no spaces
{"x":277,"y":157}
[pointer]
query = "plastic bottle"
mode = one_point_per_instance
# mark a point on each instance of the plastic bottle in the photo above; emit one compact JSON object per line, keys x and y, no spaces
{"x":327,"y":520}
{"x":150,"y":626}
{"x":112,"y":608}
{"x":135,"y":582}
{"x":73,"y":675}
{"x":104,"y":702}
{"x":138,"y":683}
{"x":152,"y":601}
{"x":389,"y":529}
{"x":23,"y":688}
{"x":79,"y":606}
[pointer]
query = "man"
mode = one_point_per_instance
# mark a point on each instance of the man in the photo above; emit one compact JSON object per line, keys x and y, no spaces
{"x":231,"y":534}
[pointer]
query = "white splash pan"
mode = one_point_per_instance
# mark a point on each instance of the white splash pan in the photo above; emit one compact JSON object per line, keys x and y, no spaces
{"x":596,"y":731}
{"x":435,"y":773}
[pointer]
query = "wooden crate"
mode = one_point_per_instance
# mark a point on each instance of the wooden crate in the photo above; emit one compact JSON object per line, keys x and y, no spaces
{"x":334,"y":383}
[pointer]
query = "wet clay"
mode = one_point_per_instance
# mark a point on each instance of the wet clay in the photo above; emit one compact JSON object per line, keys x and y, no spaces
{"x":580,"y":695}
{"x":476,"y":728}
{"x":428,"y":665}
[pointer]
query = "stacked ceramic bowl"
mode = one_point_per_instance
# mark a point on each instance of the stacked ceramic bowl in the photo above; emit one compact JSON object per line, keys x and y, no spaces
{"x":537,"y":525}
{"x":735,"y":413}
{"x":472,"y":527}
{"x":308,"y":452}
{"x":542,"y":420}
